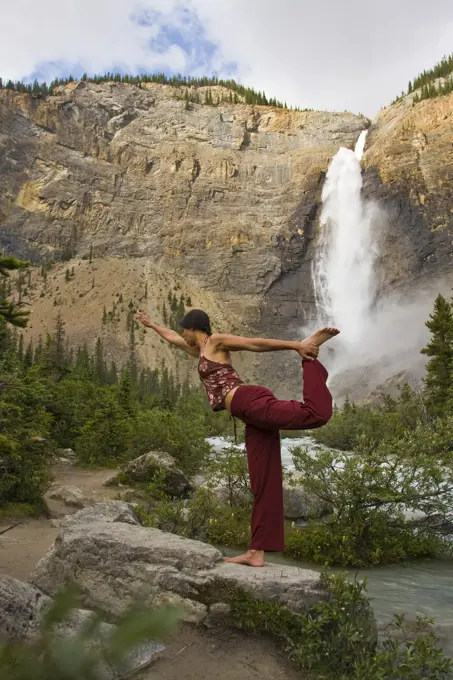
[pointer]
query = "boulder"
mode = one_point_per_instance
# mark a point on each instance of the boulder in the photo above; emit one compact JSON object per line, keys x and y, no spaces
{"x":221,"y":491}
{"x":144,"y":469}
{"x":22,"y":607}
{"x":115,"y":561}
{"x":65,"y":457}
{"x":71,"y":496}
{"x":300,"y":504}
{"x":106,"y":512}
{"x":66,"y":453}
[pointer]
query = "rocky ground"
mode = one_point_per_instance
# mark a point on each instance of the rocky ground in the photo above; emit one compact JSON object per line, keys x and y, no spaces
{"x":193,"y":652}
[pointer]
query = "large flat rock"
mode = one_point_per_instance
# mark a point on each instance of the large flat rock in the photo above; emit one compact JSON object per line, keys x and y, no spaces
{"x":114,"y":562}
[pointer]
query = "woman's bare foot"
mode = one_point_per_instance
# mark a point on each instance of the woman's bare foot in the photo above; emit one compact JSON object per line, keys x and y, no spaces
{"x":252,"y":558}
{"x":321,"y":336}
{"x":309,"y":348}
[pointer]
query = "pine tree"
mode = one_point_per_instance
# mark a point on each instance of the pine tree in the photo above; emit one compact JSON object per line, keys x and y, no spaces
{"x":56,"y":348}
{"x":440,"y":350}
{"x":20,"y":349}
{"x":126,"y":394}
{"x":113,"y":374}
{"x":100,"y":372}
{"x":67,"y":275}
{"x":104,"y":316}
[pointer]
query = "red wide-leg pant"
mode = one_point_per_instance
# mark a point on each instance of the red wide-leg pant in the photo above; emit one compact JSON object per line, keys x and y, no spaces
{"x":264,"y":416}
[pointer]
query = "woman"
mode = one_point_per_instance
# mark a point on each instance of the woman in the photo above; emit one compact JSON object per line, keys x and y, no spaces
{"x":263,"y":414}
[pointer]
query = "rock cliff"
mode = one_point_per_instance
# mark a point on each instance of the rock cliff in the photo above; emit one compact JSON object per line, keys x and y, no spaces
{"x":225,"y":198}
{"x":408,"y":165}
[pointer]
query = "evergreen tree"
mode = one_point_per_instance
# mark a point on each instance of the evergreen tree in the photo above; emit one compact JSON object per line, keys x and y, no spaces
{"x":113,"y":374}
{"x":100,"y":372}
{"x":440,"y":350}
{"x":28,"y":356}
{"x":56,"y":348}
{"x":126,"y":398}
{"x":67,"y":275}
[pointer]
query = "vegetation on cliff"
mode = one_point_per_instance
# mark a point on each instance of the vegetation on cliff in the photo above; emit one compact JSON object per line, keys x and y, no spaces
{"x":237,"y":93}
{"x":424,"y":85}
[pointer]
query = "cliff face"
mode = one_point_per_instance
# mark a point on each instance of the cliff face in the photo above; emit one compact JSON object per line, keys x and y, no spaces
{"x":227,"y":197}
{"x":408,"y":165}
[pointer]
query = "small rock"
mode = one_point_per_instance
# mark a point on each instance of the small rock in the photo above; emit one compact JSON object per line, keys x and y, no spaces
{"x":300,"y":504}
{"x":71,"y":496}
{"x":69,"y":454}
{"x":219,"y":615}
{"x":106,"y":511}
{"x":144,"y":468}
{"x":198,"y":481}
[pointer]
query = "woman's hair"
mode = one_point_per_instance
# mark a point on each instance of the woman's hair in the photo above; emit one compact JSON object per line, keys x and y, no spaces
{"x":196,"y":320}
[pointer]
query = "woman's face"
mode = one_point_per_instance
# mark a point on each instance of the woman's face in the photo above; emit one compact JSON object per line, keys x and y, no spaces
{"x":189,"y":337}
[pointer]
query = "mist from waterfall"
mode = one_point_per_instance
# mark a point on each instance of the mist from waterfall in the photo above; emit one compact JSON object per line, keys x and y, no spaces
{"x":380,"y":337}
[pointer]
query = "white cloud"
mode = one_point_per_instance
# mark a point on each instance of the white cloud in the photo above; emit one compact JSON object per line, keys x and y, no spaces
{"x":332,"y":55}
{"x":96,"y":34}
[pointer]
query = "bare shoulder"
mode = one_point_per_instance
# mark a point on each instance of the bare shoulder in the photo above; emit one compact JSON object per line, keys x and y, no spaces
{"x":216,"y":339}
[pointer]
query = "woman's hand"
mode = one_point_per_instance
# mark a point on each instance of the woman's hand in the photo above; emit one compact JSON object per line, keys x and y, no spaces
{"x":143,"y":318}
{"x":308,"y":350}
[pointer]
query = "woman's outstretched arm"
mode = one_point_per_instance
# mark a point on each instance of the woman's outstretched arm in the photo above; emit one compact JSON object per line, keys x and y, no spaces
{"x":237,"y":343}
{"x":167,"y":334}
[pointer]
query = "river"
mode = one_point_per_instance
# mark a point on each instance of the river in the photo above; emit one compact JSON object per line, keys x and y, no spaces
{"x":423,"y":588}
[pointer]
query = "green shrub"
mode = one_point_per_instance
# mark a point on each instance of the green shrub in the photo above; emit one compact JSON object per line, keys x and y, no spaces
{"x":369,"y":491}
{"x":180,"y":435}
{"x":367,"y":541}
{"x":373,"y":423}
{"x":229,"y":470}
{"x":336,"y":638}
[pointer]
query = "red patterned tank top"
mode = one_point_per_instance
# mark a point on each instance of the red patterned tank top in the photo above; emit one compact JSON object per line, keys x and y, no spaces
{"x":218,"y":379}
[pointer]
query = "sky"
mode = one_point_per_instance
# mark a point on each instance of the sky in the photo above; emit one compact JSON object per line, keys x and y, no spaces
{"x":332,"y":55}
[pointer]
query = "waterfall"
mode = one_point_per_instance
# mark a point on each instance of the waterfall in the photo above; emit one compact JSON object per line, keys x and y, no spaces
{"x":343,"y":274}
{"x":381,"y":335}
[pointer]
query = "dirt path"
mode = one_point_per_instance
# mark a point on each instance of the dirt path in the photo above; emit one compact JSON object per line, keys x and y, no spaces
{"x":195,"y":654}
{"x":191,"y":653}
